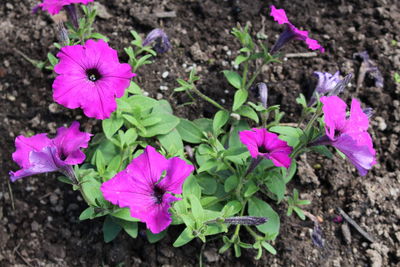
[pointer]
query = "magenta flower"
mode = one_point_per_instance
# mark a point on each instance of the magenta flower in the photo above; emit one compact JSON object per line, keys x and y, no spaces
{"x":291,"y":32}
{"x":262,"y":143}
{"x":90,"y":77}
{"x":145,"y":186}
{"x":54,"y":6}
{"x":348,"y":134}
{"x":40,"y":154}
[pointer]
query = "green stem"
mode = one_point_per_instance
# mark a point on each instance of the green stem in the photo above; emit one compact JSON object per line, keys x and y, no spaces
{"x":244,"y":76}
{"x":252,"y":233}
{"x":206,"y":98}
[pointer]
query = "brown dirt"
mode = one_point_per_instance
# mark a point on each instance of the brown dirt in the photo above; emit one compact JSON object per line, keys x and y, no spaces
{"x":43,"y":228}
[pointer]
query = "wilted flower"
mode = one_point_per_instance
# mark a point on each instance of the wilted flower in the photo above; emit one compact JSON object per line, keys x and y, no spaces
{"x":55,"y":6}
{"x":90,"y":77}
{"x":368,"y":66}
{"x":261,"y":90}
{"x":262,"y":143}
{"x":40,"y":154}
{"x":317,"y":236}
{"x":349,"y":135}
{"x":291,"y":32}
{"x":145,"y":186}
{"x":161,"y":40}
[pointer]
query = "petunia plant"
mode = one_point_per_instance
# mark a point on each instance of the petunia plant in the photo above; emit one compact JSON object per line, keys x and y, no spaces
{"x":224,"y":175}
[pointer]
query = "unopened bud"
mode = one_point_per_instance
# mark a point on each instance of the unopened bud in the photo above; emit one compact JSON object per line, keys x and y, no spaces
{"x":62,"y":34}
{"x":246,"y":220}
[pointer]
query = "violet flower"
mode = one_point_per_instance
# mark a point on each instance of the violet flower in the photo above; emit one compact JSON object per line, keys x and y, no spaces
{"x":40,"y":154}
{"x":160,"y":40}
{"x":368,"y":66}
{"x":348,"y":134}
{"x":264,"y":144}
{"x":143,"y":187}
{"x":291,"y":33}
{"x":90,"y":77}
{"x":326,"y":83}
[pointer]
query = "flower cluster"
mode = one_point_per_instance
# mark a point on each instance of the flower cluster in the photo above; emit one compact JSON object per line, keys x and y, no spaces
{"x":40,"y":154}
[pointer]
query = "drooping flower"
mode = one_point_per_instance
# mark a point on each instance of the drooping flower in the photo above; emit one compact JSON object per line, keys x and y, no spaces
{"x":262,"y":143}
{"x":54,"y":6}
{"x":40,"y":154}
{"x":160,"y":39}
{"x":261,"y":91}
{"x":368,"y":66}
{"x":90,"y":77}
{"x":145,"y":186}
{"x":348,"y":134}
{"x":291,"y":32}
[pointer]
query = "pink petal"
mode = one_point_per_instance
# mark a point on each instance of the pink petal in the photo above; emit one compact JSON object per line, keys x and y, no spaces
{"x":280,"y":158}
{"x":314,"y":45}
{"x":249,"y":138}
{"x":177,"y":172}
{"x":279,"y":15}
{"x":358,"y":120}
{"x":24,"y":145}
{"x":69,"y":141}
{"x":334,"y":110}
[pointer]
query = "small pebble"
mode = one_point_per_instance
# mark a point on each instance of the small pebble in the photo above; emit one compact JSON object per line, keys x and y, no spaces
{"x":346,"y":233}
{"x":159,"y":96}
{"x":163,"y":88}
{"x":165,"y":74}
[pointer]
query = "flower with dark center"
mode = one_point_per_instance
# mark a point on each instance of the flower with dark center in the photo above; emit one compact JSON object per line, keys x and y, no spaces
{"x":348,"y":134}
{"x":143,"y":187}
{"x":40,"y":154}
{"x":262,"y":143}
{"x":91,"y":77}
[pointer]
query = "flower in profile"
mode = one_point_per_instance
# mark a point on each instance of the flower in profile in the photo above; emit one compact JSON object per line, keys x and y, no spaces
{"x":261,"y":91}
{"x":326,"y":83}
{"x":90,"y":77}
{"x":291,"y":32}
{"x":348,"y":134}
{"x":160,"y":39}
{"x":262,"y":143}
{"x":54,"y":6}
{"x":40,"y":154}
{"x":145,"y":186}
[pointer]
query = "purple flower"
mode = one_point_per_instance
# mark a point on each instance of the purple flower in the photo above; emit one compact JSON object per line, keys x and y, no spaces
{"x":291,"y":32}
{"x":54,"y":6}
{"x":91,"y":77}
{"x":161,"y":40}
{"x":261,"y":90}
{"x":326,"y":83}
{"x":40,"y":154}
{"x":368,"y":66}
{"x":348,"y":134}
{"x":145,"y":186}
{"x":262,"y":143}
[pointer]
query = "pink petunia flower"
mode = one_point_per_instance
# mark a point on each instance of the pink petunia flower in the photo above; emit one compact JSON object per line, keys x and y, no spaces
{"x":90,"y":77}
{"x":145,"y":186}
{"x":348,"y":134}
{"x":40,"y":154}
{"x":54,"y":6}
{"x":291,"y":32}
{"x":262,"y":143}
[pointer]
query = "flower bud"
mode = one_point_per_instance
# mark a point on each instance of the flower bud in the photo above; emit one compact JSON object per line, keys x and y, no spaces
{"x":161,"y":40}
{"x":246,"y":220}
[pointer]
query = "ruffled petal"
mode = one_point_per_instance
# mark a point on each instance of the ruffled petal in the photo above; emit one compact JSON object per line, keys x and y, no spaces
{"x":334,"y":110}
{"x":358,"y":121}
{"x":249,"y":138}
{"x":24,"y":145}
{"x":177,"y":172}
{"x":280,"y":158}
{"x":279,"y":15}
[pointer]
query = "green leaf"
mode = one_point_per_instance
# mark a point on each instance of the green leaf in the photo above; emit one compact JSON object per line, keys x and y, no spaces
{"x":130,"y":136}
{"x":153,"y":238}
{"x":114,"y":164}
{"x":185,"y":237}
{"x":97,"y":35}
{"x":251,"y":189}
{"x":131,"y":228}
{"x":124,"y":214}
{"x":189,"y":131}
{"x":88,"y":213}
{"x":299,"y":212}
{"x":234,"y":140}
{"x":233,"y":78}
{"x":110,"y":229}
{"x":143,"y":102}
{"x":197,"y":209}
{"x":100,"y":162}
{"x":134,"y":89}
{"x":277,"y":186}
{"x":208,"y":165}
{"x":52,"y":59}
{"x":191,"y":187}
{"x":172,"y":142}
{"x":323,"y":150}
{"x":268,"y":247}
{"x":232,"y":208}
{"x":64,"y":179}
{"x":231,"y":183}
{"x":258,"y":207}
{"x":112,"y":125}
{"x":168,"y":123}
{"x":240,"y":59}
{"x":239,"y":99}
{"x":208,"y":184}
{"x":220,"y":119}
{"x":248,"y":112}
{"x":289,"y":134}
